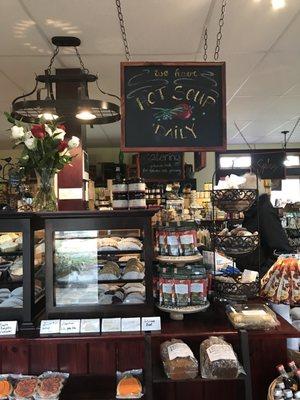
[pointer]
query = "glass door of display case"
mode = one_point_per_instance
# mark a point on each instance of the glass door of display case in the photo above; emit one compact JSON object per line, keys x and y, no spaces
{"x":99,"y":264}
{"x":22,"y":265}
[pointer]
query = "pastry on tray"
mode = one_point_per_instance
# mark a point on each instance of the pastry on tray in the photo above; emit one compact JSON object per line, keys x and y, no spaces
{"x":129,"y":387}
{"x":25,"y":388}
{"x":5,"y":389}
{"x":50,"y":387}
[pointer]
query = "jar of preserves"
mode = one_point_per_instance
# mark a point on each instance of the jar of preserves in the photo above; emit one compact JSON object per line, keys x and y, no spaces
{"x":137,"y":200}
{"x":137,"y":185}
{"x":120,"y":201}
{"x":119,"y":186}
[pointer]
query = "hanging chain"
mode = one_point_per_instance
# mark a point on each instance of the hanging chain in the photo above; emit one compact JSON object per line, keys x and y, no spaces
{"x":219,"y":34}
{"x":122,"y":28}
{"x":56,"y":51}
{"x":205,"y":45}
{"x":85,"y":70}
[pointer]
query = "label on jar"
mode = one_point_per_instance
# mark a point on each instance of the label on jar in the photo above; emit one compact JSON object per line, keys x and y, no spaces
{"x":119,"y":188}
{"x":137,"y":203}
{"x":187,"y":239}
{"x":181,"y":288}
{"x":167,"y":288}
{"x":179,"y":350}
{"x":197,"y":287}
{"x":120,"y":203}
{"x":220,"y":352}
{"x":258,"y":313}
{"x":137,"y":187}
{"x":172,"y":240}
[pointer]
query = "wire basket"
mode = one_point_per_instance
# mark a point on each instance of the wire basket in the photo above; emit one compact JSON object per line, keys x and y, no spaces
{"x":236,"y":245}
{"x":236,"y":290}
{"x":233,"y":200}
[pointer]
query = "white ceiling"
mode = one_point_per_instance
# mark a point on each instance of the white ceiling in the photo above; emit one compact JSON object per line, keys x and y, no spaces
{"x":260,"y":47}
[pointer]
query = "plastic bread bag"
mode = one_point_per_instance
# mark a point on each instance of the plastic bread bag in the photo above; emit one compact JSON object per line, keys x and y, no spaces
{"x":252,"y":316}
{"x":50,"y":384}
{"x":178,"y":360}
{"x":6,"y":387}
{"x":130,"y":384}
{"x":218,"y":359}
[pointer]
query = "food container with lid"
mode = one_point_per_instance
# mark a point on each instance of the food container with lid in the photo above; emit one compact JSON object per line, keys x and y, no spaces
{"x":136,"y":185}
{"x":120,"y":201}
{"x":137,"y":200}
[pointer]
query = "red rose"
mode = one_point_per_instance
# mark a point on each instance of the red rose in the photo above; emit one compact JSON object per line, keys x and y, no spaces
{"x":61,"y":126}
{"x":62,"y":145}
{"x":38,"y":131}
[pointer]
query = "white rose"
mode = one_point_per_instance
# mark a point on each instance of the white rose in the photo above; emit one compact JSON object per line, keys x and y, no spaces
{"x":48,"y":130}
{"x":73,"y":142}
{"x":59,"y":134}
{"x":31,"y":143}
{"x":17,"y":132}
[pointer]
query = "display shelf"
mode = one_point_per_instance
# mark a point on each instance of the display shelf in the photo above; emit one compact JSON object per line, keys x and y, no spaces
{"x":89,"y":388}
{"x":159,"y":376}
{"x":12,"y":254}
{"x":10,"y":284}
{"x":82,"y":284}
{"x":115,"y":252}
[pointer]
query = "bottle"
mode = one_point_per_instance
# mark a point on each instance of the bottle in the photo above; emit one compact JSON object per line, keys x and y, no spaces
{"x":298,"y":378}
{"x":293,"y":367}
{"x":289,"y":382}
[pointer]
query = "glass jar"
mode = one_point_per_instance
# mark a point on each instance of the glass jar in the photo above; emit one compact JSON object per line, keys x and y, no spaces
{"x":137,"y":200}
{"x":119,"y":186}
{"x":137,"y":185}
{"x":120,"y":201}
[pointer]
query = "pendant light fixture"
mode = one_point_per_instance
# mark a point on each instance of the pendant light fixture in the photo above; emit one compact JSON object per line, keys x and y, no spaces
{"x":83,"y":109}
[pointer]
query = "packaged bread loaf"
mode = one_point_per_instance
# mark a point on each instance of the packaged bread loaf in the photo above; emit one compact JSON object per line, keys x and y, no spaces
{"x":217,"y":359}
{"x":178,"y":360}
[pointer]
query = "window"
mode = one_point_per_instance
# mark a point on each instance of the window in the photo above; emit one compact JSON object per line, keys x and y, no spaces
{"x":292,"y":161}
{"x":238,"y":161}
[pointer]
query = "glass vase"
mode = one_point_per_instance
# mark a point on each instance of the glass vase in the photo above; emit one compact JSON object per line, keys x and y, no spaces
{"x":45,"y":198}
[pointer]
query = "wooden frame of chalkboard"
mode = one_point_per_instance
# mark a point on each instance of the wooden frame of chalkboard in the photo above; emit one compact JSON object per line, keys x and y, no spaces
{"x":157,"y":167}
{"x":134,"y":123}
{"x":199,"y":160}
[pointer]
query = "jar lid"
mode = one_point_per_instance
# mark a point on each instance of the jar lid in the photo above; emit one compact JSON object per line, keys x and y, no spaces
{"x":119,"y":181}
{"x":136,"y":180}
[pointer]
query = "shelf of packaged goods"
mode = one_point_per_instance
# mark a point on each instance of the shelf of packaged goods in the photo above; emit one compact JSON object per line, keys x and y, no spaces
{"x":90,"y":388}
{"x":159,"y":376}
{"x":83,"y":284}
{"x":11,"y":254}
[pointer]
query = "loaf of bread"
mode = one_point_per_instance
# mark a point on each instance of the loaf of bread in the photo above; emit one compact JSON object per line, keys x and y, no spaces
{"x":217,"y":359}
{"x":178,"y":360}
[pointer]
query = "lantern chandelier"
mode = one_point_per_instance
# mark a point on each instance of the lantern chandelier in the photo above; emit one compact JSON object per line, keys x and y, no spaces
{"x":82,"y":108}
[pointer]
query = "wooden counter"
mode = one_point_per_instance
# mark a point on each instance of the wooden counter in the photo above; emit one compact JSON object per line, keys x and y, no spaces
{"x":93,"y":360}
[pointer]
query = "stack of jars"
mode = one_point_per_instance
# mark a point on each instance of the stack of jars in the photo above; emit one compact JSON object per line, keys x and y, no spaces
{"x":129,"y":194}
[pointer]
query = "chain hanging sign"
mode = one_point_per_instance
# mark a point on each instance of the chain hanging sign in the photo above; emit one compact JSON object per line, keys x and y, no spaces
{"x":173,"y":106}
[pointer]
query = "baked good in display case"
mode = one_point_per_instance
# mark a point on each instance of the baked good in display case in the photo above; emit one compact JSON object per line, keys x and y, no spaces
{"x":178,"y":360}
{"x":6,"y":388}
{"x":281,"y":284}
{"x":25,"y":387}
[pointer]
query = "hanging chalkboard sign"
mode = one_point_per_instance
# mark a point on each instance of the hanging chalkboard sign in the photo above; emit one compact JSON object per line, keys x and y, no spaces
{"x":269,"y":165}
{"x":173,"y":106}
{"x":161,"y":166}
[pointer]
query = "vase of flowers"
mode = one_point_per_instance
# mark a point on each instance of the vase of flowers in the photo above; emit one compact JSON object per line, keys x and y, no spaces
{"x":46,"y":151}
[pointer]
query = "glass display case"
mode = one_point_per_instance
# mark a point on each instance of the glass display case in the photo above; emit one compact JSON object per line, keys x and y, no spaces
{"x":22,"y":268}
{"x":99,"y":263}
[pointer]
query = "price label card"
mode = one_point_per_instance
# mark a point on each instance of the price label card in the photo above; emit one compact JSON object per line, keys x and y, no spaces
{"x":111,"y":325}
{"x":90,"y":325}
{"x":131,"y":324}
{"x":8,"y":328}
{"x":69,"y":326}
{"x":151,"y":324}
{"x":50,"y":326}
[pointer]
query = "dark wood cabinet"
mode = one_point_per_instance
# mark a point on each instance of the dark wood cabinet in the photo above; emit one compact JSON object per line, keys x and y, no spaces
{"x":30,"y":229}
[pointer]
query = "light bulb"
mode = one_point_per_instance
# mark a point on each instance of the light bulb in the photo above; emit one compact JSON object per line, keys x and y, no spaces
{"x":48,"y":116}
{"x":278,"y":4}
{"x":85,"y":115}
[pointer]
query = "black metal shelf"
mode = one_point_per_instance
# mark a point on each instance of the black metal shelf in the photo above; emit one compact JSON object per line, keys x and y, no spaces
{"x":99,"y":282}
{"x":12,"y":254}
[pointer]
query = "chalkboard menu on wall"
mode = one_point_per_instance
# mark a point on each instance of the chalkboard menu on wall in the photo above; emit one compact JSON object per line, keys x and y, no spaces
{"x":173,"y":106}
{"x":161,"y":166}
{"x":269,"y":165}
